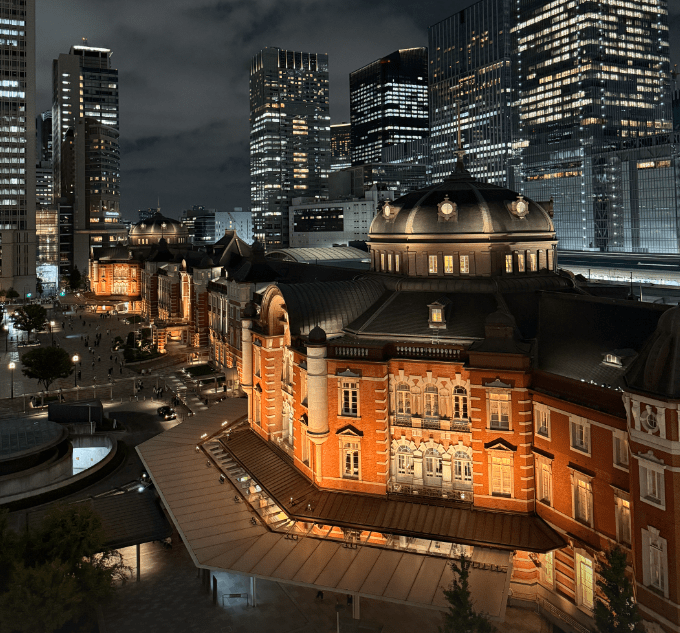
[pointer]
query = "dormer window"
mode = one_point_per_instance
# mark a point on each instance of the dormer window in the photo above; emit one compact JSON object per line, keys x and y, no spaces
{"x":612,"y":359}
{"x":437,"y":316}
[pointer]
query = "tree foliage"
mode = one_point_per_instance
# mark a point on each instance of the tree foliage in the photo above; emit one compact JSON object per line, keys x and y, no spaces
{"x":11,"y":294}
{"x":619,"y":613}
{"x":30,"y":318}
{"x":75,"y":279}
{"x":46,"y":364}
{"x":39,"y":288}
{"x":461,"y":616}
{"x":57,"y":573}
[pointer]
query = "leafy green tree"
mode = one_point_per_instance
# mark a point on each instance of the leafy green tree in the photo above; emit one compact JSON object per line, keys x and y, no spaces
{"x":619,"y":614}
{"x":30,"y":318}
{"x":3,"y":292}
{"x":75,"y":279}
{"x":461,"y":616}
{"x":46,"y":364}
{"x":12,"y":294}
{"x":59,"y":572}
{"x":39,"y":288}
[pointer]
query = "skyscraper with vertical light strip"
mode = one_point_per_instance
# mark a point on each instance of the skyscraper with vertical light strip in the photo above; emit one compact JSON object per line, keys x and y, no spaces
{"x":593,"y":78}
{"x":290,"y":137}
{"x":17,"y":146}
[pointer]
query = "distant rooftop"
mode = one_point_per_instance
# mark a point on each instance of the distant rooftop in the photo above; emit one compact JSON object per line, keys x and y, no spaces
{"x":320,"y":255}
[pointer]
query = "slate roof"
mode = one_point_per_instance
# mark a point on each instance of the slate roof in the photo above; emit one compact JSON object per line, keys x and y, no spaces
{"x":330,"y":305}
{"x":319,"y":254}
{"x":575,"y":333}
{"x":410,"y":516}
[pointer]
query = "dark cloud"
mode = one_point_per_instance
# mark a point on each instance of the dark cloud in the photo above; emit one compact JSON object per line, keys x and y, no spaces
{"x":184,"y":68}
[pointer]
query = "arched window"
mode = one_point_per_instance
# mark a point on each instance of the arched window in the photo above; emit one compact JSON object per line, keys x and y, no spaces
{"x":403,"y":399}
{"x":431,"y":402}
{"x":404,"y":464}
{"x":460,"y":404}
{"x":462,"y":467}
{"x":433,"y":467}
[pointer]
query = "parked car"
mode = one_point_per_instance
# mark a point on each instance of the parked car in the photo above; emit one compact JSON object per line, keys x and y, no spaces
{"x":167,"y":413}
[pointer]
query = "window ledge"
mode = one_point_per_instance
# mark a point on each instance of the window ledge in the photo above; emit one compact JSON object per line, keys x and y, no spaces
{"x":495,"y":430}
{"x":622,"y":467}
{"x":546,"y":502}
{"x":582,"y":451}
{"x":653,"y":502}
{"x":504,"y":496}
{"x":349,"y":416}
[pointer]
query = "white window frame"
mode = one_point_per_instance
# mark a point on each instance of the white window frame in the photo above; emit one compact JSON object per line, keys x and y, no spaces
{"x":542,"y":426}
{"x":349,"y":446}
{"x":494,"y":402}
{"x":585,"y":595}
{"x":432,"y":457}
{"x":544,"y":487}
{"x":621,"y":458}
{"x":623,"y":516}
{"x":582,"y":497}
{"x":403,"y":400}
{"x":494,"y":463}
{"x":579,"y":440}
{"x":464,"y":261}
{"x":462,"y":467}
{"x":404,"y":464}
{"x":655,"y":561}
{"x":547,"y":561}
{"x":430,"y":401}
{"x":346,"y":387}
{"x":460,"y":403}
{"x":652,"y":480}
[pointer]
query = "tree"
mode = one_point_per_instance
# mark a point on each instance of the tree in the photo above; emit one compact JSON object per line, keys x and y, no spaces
{"x":39,"y":288}
{"x":75,"y":279}
{"x":46,"y":364}
{"x":29,"y":318}
{"x":59,"y":572}
{"x":461,"y":616}
{"x":620,"y":613}
{"x":12,"y":294}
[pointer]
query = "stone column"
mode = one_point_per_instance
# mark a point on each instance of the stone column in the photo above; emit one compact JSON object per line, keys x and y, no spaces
{"x":317,"y":397}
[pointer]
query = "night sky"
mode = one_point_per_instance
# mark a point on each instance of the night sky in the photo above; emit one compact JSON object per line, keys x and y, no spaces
{"x":184,"y":65}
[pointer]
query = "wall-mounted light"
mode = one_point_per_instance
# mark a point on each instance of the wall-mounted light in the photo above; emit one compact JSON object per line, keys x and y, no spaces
{"x":207,"y":464}
{"x":222,"y":478}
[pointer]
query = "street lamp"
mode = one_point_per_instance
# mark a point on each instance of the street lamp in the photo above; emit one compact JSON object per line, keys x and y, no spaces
{"x":6,"y":328}
{"x":75,"y":372}
{"x":52,"y":331}
{"x":11,"y":368}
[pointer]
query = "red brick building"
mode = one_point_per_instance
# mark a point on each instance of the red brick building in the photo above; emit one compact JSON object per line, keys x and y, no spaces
{"x":467,"y":374}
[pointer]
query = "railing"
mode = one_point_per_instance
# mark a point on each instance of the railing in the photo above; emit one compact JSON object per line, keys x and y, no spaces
{"x":402,"y":420}
{"x":437,"y":351}
{"x":397,"y":487}
{"x":459,"y":426}
{"x":431,"y":423}
{"x":462,"y":426}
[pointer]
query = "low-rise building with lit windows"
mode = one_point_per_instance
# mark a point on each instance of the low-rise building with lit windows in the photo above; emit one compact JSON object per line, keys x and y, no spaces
{"x":467,"y":396}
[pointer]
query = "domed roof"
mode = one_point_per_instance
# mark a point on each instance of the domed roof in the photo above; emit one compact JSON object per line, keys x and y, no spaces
{"x":461,"y":206}
{"x":657,"y":368}
{"x":317,"y":336}
{"x":158,"y":225}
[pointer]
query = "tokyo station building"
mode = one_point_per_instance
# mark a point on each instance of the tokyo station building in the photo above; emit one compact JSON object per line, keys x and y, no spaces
{"x":467,"y":395}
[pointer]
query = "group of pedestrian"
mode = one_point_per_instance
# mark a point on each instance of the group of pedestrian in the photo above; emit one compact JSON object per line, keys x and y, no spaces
{"x":158,"y":392}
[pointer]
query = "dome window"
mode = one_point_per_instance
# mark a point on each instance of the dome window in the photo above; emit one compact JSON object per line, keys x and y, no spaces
{"x":447,"y":210}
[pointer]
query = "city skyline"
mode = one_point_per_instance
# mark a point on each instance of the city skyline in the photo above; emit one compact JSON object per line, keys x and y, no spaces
{"x":204,"y":159}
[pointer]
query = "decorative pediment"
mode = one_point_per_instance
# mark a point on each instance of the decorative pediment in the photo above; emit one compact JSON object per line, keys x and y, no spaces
{"x":498,"y":383}
{"x":350,"y":430}
{"x":348,"y":373}
{"x":500,"y":445}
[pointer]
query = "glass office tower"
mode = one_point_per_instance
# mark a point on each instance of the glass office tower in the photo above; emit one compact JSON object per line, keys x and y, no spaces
{"x":388,"y":104}
{"x":85,"y":153}
{"x":17,"y":146}
{"x":290,"y":137}
{"x":591,"y":76}
{"x":470,"y":55}
{"x":341,"y":143}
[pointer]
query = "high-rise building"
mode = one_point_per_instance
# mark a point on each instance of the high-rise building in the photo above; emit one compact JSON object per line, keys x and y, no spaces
{"x":388,"y":103}
{"x":341,"y":144}
{"x":590,"y":77}
{"x":145,"y":214}
{"x":237,"y":220}
{"x":17,"y":146}
{"x":86,"y":155}
{"x":290,"y":139}
{"x":470,"y":73}
{"x":200,"y":222}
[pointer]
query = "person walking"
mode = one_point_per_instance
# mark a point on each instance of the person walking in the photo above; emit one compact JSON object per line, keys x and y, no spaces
{"x":99,"y":359}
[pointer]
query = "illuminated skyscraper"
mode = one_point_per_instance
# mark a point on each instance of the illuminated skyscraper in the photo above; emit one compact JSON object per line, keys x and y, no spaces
{"x":86,"y":156}
{"x":341,"y":143}
{"x":17,"y":146}
{"x":388,"y":103}
{"x":592,"y":79}
{"x":290,"y":139}
{"x":470,"y":68}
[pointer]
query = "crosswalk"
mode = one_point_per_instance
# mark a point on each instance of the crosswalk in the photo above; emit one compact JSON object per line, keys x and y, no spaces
{"x":176,"y":383}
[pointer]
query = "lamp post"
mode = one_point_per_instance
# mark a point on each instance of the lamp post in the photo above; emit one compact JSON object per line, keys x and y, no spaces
{"x":52,"y":331}
{"x":11,"y":369}
{"x":6,"y":328}
{"x":75,"y":372}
